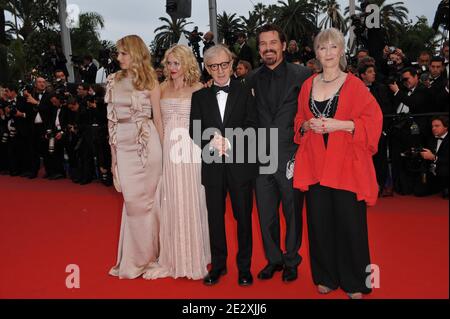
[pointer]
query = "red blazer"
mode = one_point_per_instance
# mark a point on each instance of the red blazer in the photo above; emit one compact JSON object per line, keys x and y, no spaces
{"x":346,"y":163}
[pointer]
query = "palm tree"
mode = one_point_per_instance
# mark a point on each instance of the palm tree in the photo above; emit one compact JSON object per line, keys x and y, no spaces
{"x":393,"y":17}
{"x":250,"y":24}
{"x":271,"y":13}
{"x":333,"y":18}
{"x":319,"y":8}
{"x":32,"y":16}
{"x":259,"y":10}
{"x":297,"y":19}
{"x":3,"y":43}
{"x":170,"y":33}
{"x":86,"y":38}
{"x":227,"y":27}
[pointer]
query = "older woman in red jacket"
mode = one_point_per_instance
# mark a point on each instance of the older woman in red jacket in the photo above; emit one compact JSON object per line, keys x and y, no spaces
{"x":337,"y":127}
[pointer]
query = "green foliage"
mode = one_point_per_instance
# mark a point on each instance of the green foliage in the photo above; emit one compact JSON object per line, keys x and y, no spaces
{"x":418,"y":37}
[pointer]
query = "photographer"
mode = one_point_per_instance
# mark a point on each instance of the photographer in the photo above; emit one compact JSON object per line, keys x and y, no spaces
{"x":194,"y":40}
{"x":367,"y":73}
{"x":437,"y":75}
{"x":61,"y":85}
{"x":98,"y":126}
{"x":88,"y":70}
{"x":39,"y":100}
{"x":55,"y":133}
{"x":245,"y":52}
{"x":394,"y":60}
{"x":79,"y":147}
{"x":54,"y":59}
{"x":406,"y":131}
{"x":19,"y":129}
{"x":437,"y":157}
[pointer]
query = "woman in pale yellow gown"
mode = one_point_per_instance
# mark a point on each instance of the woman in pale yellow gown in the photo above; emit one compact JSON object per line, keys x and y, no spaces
{"x":135,"y":130}
{"x":184,"y":234}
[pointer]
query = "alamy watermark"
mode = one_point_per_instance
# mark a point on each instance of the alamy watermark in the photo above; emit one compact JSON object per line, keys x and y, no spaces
{"x":248,"y":145}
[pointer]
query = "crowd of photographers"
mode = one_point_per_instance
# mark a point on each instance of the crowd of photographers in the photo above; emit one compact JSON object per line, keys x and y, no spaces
{"x":65,"y":124}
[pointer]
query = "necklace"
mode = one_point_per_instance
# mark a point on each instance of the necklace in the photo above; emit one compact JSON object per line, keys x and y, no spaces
{"x":326,"y":111}
{"x":329,"y":81}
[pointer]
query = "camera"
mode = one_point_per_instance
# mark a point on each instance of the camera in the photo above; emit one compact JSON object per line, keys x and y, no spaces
{"x":50,"y":135}
{"x":413,"y":153}
{"x":25,"y":86}
{"x":12,"y":130}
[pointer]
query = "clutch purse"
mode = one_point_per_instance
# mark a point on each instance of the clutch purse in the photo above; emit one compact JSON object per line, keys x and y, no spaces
{"x":290,"y":168}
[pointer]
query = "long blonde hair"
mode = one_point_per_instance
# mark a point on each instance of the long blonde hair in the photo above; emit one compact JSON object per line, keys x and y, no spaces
{"x":141,"y":71}
{"x":188,"y":63}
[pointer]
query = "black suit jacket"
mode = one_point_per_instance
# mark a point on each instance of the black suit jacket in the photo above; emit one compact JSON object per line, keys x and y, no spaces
{"x":384,"y":98}
{"x":239,"y":113}
{"x":287,"y":107}
{"x":418,"y":102}
{"x":22,"y":124}
{"x":246,"y":54}
{"x":44,"y":108}
{"x":442,"y":156}
{"x":51,"y":124}
{"x":89,"y":75}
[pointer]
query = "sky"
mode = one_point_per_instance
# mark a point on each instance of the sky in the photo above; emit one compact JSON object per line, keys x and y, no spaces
{"x":123,"y":17}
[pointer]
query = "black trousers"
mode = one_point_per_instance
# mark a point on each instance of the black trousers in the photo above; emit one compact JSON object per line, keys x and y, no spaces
{"x":242,"y":203}
{"x":338,"y":239}
{"x":271,"y":190}
{"x":380,"y":161}
{"x":38,"y":149}
{"x":55,"y":160}
{"x":18,"y":161}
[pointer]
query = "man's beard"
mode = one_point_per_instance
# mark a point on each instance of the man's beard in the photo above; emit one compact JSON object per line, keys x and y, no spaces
{"x":270,"y":61}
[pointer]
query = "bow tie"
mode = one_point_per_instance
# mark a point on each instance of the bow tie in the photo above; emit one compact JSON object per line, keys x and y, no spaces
{"x":439,"y":138}
{"x":217,"y":89}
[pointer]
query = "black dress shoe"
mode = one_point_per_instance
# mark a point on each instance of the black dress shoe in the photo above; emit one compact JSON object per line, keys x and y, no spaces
{"x":56,"y":176}
{"x":289,"y":274}
{"x":245,"y":278}
{"x":32,"y":176}
{"x":213,"y":276}
{"x":269,"y":271}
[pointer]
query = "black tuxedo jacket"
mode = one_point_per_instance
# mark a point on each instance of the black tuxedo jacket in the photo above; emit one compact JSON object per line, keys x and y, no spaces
{"x":44,"y":108}
{"x":246,"y":54}
{"x":62,"y":119}
{"x":418,"y":102}
{"x":89,"y":75}
{"x":239,"y":113}
{"x":442,"y":156}
{"x":286,"y":107}
{"x":23,"y":124}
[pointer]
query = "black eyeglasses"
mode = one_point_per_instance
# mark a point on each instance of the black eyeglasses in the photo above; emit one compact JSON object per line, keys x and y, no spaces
{"x":223,"y":66}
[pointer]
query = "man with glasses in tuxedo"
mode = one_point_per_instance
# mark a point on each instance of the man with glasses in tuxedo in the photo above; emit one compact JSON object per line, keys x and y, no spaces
{"x":226,"y":107}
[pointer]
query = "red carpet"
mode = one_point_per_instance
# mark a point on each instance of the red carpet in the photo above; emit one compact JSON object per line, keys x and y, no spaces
{"x":47,"y":225}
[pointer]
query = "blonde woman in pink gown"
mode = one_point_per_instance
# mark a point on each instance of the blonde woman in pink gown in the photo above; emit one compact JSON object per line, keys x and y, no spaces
{"x":135,"y":130}
{"x":184,"y":234}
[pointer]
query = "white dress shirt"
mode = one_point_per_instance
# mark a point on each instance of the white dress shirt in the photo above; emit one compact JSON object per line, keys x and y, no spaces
{"x":57,"y":123}
{"x":222,"y":99}
{"x":403,"y":108}
{"x":439,"y":142}
{"x":38,"y":118}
